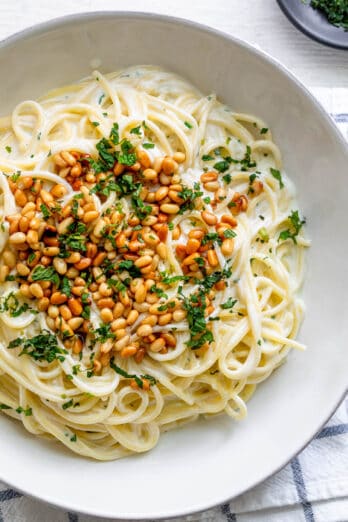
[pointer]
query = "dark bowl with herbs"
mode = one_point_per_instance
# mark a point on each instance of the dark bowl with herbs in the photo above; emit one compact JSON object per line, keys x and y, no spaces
{"x":326,"y":21}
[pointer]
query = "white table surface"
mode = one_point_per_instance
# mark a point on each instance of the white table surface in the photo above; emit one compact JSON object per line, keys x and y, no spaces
{"x":258,"y":21}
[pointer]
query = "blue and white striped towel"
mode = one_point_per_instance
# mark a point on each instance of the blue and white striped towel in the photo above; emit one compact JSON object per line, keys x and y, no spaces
{"x":312,"y":488}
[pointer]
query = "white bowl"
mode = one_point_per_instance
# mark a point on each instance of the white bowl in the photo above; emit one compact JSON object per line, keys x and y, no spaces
{"x":208,"y":462}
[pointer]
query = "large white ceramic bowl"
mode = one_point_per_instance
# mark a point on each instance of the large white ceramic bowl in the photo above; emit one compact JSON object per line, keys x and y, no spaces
{"x":211,"y":461}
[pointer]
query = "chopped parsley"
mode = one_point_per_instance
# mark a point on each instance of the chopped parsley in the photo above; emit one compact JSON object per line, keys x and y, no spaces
{"x":27,"y":412}
{"x":8,"y":149}
{"x":11,"y":305}
{"x":207,"y":157}
{"x":136,"y":130}
{"x":42,"y":347}
{"x":148,"y":145}
{"x":296,"y":224}
{"x":49,"y":273}
{"x":229,"y":304}
{"x":277,"y":175}
{"x":264,"y":130}
{"x":138,"y":379}
{"x":188,"y":125}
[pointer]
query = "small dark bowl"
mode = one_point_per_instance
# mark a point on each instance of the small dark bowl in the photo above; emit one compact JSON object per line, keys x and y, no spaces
{"x":314,"y":23}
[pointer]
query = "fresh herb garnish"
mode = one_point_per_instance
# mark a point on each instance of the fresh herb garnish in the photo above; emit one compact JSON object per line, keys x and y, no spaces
{"x":42,"y":347}
{"x":277,"y":175}
{"x":138,"y":379}
{"x":229,"y":304}
{"x":296,"y":224}
{"x":42,"y":273}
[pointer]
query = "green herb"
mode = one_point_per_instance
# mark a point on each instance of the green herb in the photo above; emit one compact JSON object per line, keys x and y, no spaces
{"x":188,"y":125}
{"x":95,"y":123}
{"x":101,"y":98}
{"x":148,"y":145}
{"x":114,"y":135}
{"x":336,"y":11}
{"x":170,"y":280}
{"x":16,"y":176}
{"x":42,"y":347}
{"x":277,"y":175}
{"x":207,"y":157}
{"x":130,"y":267}
{"x":27,"y":412}
{"x":8,"y":148}
{"x":156,"y":290}
{"x":67,"y":404}
{"x":211,"y":236}
{"x":42,"y":273}
{"x":229,"y":304}
{"x":247,"y":162}
{"x":264,"y":130}
{"x":189,"y":196}
{"x":127,"y":375}
{"x":66,"y":287}
{"x":5,"y":406}
{"x":73,"y":438}
{"x":170,"y":225}
{"x":228,"y":233}
{"x":74,"y":238}
{"x":45,"y":211}
{"x":227,"y":178}
{"x":223,"y":165}
{"x":295,"y":226}
{"x":103,"y":333}
{"x":207,"y":200}
{"x":136,"y":130}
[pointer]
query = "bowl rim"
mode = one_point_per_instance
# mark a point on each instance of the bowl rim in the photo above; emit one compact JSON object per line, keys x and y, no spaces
{"x":70,"y":19}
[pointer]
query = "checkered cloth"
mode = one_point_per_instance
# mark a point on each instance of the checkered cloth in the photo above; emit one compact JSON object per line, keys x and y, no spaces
{"x":303,"y":491}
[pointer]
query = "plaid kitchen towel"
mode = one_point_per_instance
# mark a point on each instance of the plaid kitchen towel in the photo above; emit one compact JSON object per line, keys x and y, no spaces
{"x":312,"y":488}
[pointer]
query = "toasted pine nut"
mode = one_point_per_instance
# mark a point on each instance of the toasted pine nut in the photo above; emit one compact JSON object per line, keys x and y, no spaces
{"x":169,"y":339}
{"x":90,"y":216}
{"x":68,"y":158}
{"x":192,"y":245}
{"x":99,"y":227}
{"x":229,"y":219}
{"x":57,"y":298}
{"x":132,"y":317}
{"x":170,"y":208}
{"x":84,"y":263}
{"x":140,"y":293}
{"x":179,"y":157}
{"x":179,"y":315}
{"x":164,"y":179}
{"x":46,"y":196}
{"x":191,"y":258}
{"x":144,"y":330}
{"x":209,"y":176}
{"x":17,"y":238}
{"x":73,"y":258}
{"x":164,"y":319}
{"x":157,"y":164}
{"x":161,"y":250}
{"x":9,"y":258}
{"x":76,"y":170}
{"x":227,"y":246}
{"x":75,"y":322}
{"x":149,"y":174}
{"x":118,"y":169}
{"x":211,"y":186}
{"x":65,"y":312}
{"x":43,"y":304}
{"x":74,"y":305}
{"x":60,"y":265}
{"x":23,"y":224}
{"x":25,"y":290}
{"x":143,"y":261}
{"x":122,"y":343}
{"x":144,"y":159}
{"x":196,"y":233}
{"x":14,"y":227}
{"x":51,"y":251}
{"x":212,"y":258}
{"x":62,"y":228}
{"x":58,"y":191}
{"x":20,"y":198}
{"x":106,"y":302}
{"x":106,"y":315}
{"x":22,"y":269}
{"x":150,"y":319}
{"x":209,"y":218}
{"x":161,"y":193}
{"x":36,"y":290}
{"x":169,"y":166}
{"x":118,"y":324}
{"x":99,"y":258}
{"x":256,"y":187}
{"x":157,"y":345}
{"x":128,"y":351}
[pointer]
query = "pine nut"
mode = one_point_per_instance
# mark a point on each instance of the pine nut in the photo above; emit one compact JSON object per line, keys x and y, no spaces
{"x":118,"y":310}
{"x":22,"y":269}
{"x":164,"y":319}
{"x":212,"y":258}
{"x":227,"y":247}
{"x":51,"y":251}
{"x":179,"y":157}
{"x":179,"y":315}
{"x":122,"y":343}
{"x":43,"y":304}
{"x":161,"y":250}
{"x":84,"y":263}
{"x":211,"y":186}
{"x":90,"y":216}
{"x":76,"y":170}
{"x":99,"y":227}
{"x":60,"y":265}
{"x":25,"y":290}
{"x":170,"y":208}
{"x":144,"y":158}
{"x":169,"y":166}
{"x":176,"y":233}
{"x":58,"y":191}
{"x":75,"y":306}
{"x":209,"y":176}
{"x":191,"y":258}
{"x":36,"y":290}
{"x":144,"y":330}
{"x":106,"y":315}
{"x":53,"y":311}
{"x":132,"y":317}
{"x":65,"y":312}
{"x":62,"y":228}
{"x":106,"y":302}
{"x":161,"y":193}
{"x":17,"y":238}
{"x":143,"y":261}
{"x":229,"y":219}
{"x":169,"y":339}
{"x":75,"y":322}
{"x":149,"y":174}
{"x":14,"y":227}
{"x":192,"y":245}
{"x":23,"y":224}
{"x":209,"y":218}
{"x":57,"y":298}
{"x":157,"y":164}
{"x":9,"y":258}
{"x":157,"y":345}
{"x":128,"y":351}
{"x":73,"y":258}
{"x":150,"y":319}
{"x":20,"y":198}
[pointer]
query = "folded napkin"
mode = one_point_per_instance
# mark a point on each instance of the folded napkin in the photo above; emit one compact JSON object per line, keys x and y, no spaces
{"x":312,"y":488}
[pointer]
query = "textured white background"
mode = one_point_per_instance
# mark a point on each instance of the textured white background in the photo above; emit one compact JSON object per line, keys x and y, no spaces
{"x":258,"y":21}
